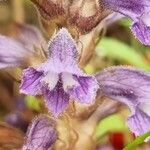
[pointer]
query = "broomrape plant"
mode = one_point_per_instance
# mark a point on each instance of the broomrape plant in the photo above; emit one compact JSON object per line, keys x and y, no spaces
{"x":58,"y":77}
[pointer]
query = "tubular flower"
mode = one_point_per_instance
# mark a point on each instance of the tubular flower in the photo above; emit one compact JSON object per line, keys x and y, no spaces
{"x":131,"y":87}
{"x":59,"y":77}
{"x":16,"y":52}
{"x":138,"y":11}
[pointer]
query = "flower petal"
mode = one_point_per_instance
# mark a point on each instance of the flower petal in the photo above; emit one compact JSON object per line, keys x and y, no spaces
{"x":68,"y":81}
{"x":41,"y":134}
{"x":145,"y":107}
{"x":12,"y":53}
{"x":127,"y":85}
{"x":62,"y":54}
{"x":62,"y":49}
{"x":135,"y":9}
{"x":85,"y":90}
{"x":139,"y":123}
{"x":31,"y":82}
{"x":56,"y":99}
{"x":30,"y":36}
{"x":131,"y":8}
{"x":50,"y":79}
{"x":142,"y":32}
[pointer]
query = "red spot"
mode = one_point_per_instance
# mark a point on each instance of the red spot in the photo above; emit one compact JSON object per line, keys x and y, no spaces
{"x":117,"y":140}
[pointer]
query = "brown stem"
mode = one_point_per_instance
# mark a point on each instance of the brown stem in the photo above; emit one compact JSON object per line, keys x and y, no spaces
{"x":76,"y":132}
{"x":89,"y":42}
{"x":18,"y":11}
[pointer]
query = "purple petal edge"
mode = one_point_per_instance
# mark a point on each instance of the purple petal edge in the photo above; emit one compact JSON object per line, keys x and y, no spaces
{"x":86,"y":91}
{"x":141,"y":31}
{"x":31,"y":82}
{"x":139,"y":123}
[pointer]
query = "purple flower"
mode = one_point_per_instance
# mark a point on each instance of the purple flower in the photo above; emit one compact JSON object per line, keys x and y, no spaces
{"x":59,"y":78}
{"x":138,"y":11}
{"x":15,"y":52}
{"x":12,"y":52}
{"x":30,"y":37}
{"x":41,"y":135}
{"x":129,"y":86}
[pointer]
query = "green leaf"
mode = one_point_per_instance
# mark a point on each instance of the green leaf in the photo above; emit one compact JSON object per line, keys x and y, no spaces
{"x":33,"y":102}
{"x":137,"y":141}
{"x":125,"y":22}
{"x":118,"y":50}
{"x":111,"y":123}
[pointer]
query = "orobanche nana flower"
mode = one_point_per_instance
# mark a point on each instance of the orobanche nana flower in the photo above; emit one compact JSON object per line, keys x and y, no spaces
{"x":131,"y":87}
{"x":138,"y":11}
{"x":17,"y":52}
{"x":59,"y":78}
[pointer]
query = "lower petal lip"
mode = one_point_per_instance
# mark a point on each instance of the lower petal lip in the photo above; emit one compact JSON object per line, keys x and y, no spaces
{"x":57,"y":99}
